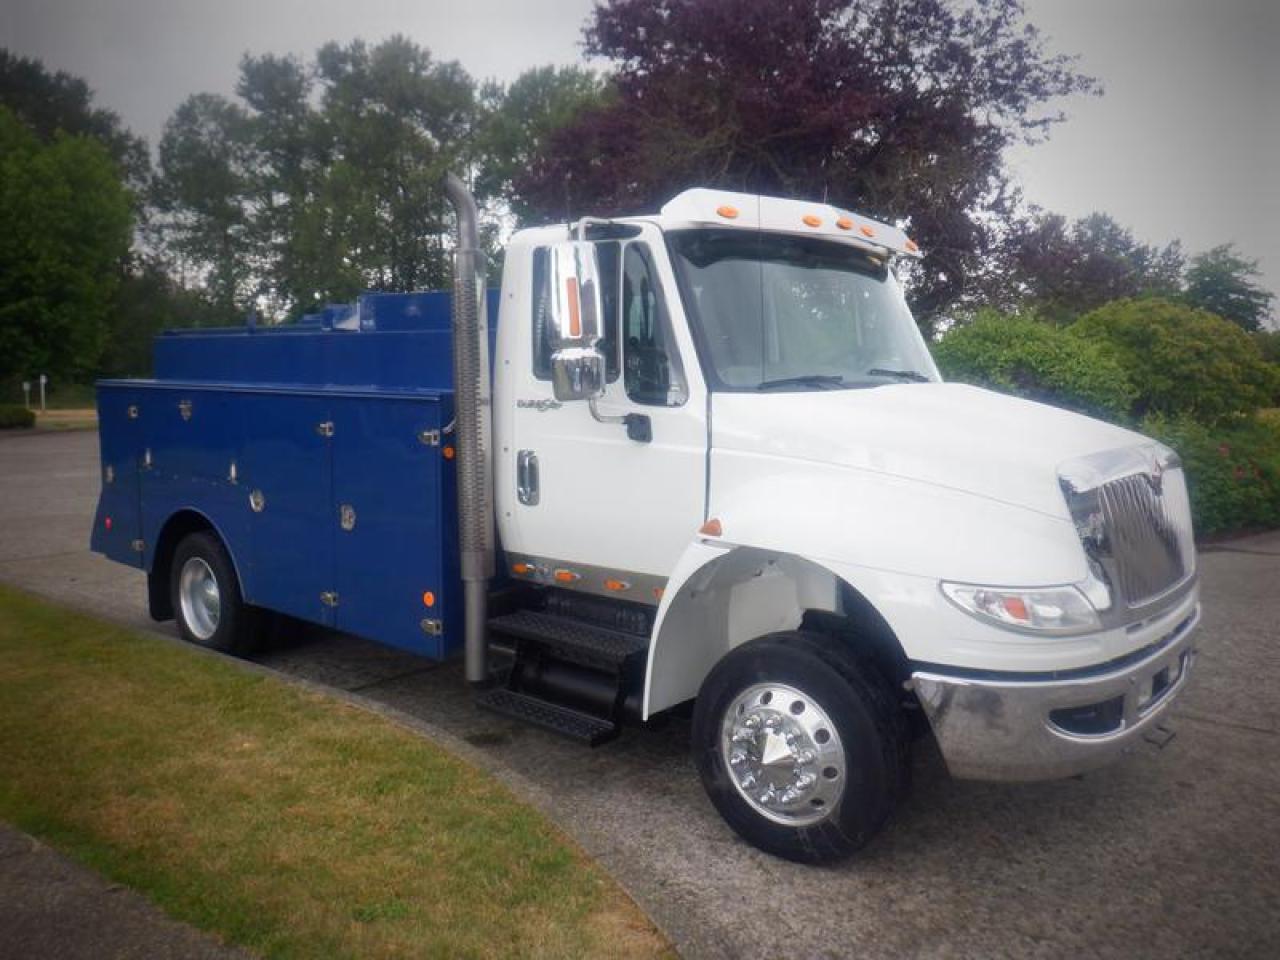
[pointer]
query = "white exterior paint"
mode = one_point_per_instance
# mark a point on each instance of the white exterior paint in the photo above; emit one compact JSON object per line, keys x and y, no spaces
{"x":889,"y":489}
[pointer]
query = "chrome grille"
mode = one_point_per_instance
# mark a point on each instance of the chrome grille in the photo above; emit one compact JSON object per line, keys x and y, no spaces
{"x":1132,"y":513}
{"x":1144,"y":537}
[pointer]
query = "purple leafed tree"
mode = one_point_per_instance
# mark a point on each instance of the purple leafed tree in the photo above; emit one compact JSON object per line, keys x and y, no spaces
{"x":898,"y":108}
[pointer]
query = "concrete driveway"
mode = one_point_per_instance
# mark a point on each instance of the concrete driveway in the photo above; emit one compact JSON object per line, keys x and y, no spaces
{"x":1173,"y":853}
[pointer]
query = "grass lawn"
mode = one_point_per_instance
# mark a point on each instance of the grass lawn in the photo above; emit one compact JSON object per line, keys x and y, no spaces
{"x":287,"y":822}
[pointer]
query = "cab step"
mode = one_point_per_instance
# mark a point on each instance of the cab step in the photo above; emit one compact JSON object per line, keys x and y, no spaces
{"x":563,"y":720}
{"x":573,"y":640}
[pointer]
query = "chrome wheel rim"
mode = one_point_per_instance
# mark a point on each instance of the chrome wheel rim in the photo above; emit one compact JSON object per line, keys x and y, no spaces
{"x":200,"y":598}
{"x":783,"y":754}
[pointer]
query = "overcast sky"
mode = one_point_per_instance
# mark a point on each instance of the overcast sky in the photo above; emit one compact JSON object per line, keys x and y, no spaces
{"x":1185,"y":143}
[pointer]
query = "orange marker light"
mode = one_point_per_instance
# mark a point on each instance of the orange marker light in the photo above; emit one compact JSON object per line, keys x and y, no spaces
{"x":449,"y":453}
{"x":1017,"y":608}
{"x":428,"y":599}
{"x":575,"y":315}
{"x":566,"y":576}
{"x":913,"y":246}
{"x":658,"y":592}
{"x":868,"y":232}
{"x":811,"y":220}
{"x":844,"y":223}
{"x":728,"y":212}
{"x":712,"y":528}
{"x":616,"y":585}
{"x":521,"y":568}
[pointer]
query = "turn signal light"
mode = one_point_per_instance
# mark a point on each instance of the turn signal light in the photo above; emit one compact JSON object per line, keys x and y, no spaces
{"x":728,"y":212}
{"x":712,"y":528}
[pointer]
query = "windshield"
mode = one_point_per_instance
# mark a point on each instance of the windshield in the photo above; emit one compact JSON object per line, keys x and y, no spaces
{"x":795,"y":313}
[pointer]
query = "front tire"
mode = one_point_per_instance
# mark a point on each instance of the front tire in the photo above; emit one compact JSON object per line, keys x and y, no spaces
{"x":801,"y":747}
{"x":206,"y":598}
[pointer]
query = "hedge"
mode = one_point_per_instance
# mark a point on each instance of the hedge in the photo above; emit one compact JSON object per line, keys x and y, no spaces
{"x":14,"y":416}
{"x":1021,"y":355}
{"x":1181,"y":361}
{"x":1233,"y":469}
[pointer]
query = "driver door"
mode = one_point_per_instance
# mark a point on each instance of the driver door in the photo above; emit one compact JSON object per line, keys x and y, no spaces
{"x":609,"y":508}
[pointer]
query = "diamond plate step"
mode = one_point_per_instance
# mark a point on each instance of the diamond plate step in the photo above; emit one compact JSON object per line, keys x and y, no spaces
{"x":550,"y":716}
{"x":572,"y":640}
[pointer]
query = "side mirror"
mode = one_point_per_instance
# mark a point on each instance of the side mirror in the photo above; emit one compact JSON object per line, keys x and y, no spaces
{"x":576,"y":317}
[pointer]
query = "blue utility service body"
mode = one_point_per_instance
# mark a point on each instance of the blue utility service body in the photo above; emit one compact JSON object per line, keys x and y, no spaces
{"x":319,"y":452}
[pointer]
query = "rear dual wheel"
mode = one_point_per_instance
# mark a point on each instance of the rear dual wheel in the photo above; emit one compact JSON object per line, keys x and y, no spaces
{"x":206,"y":597}
{"x":801,"y":747}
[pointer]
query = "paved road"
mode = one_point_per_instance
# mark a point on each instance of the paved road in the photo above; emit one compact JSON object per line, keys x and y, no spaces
{"x":1173,"y":853}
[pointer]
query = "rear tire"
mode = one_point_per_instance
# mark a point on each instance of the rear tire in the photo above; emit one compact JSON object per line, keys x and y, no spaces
{"x":206,"y":597}
{"x":802,"y":748}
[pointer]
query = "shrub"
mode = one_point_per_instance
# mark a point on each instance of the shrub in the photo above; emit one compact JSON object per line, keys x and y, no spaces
{"x":1021,"y":355}
{"x":1268,"y":342}
{"x":12,"y":415}
{"x":1182,"y":361}
{"x":1233,"y":469}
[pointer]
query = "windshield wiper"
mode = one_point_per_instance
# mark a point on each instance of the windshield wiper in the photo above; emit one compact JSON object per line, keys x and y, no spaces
{"x":915,"y":376}
{"x":808,"y":380}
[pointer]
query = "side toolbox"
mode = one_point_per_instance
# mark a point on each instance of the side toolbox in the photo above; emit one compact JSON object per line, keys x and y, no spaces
{"x":117,"y":524}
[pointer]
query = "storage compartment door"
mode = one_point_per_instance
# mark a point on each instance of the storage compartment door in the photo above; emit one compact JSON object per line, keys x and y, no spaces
{"x":117,"y":524}
{"x":392,"y":539}
{"x":286,"y":485}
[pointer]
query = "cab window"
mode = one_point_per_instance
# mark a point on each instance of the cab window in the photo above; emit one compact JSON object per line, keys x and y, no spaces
{"x":653,"y":374}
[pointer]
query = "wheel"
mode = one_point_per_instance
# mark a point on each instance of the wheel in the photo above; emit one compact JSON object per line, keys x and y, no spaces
{"x":206,"y":596}
{"x":801,"y":747}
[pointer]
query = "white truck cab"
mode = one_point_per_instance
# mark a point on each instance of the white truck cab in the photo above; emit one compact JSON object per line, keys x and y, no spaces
{"x":725,"y":418}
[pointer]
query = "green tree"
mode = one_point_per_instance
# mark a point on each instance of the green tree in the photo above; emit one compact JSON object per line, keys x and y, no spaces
{"x":519,"y":121}
{"x":67,"y":222}
{"x":1223,"y":282}
{"x":1182,"y":361}
{"x":49,"y":103}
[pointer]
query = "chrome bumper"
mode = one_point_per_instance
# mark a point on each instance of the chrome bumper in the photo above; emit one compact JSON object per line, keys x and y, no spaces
{"x":1010,"y":729}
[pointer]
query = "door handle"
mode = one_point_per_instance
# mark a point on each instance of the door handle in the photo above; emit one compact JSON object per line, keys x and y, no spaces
{"x":527,"y":477}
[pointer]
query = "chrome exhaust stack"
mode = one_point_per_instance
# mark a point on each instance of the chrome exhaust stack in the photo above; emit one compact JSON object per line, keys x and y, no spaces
{"x":472,"y":407}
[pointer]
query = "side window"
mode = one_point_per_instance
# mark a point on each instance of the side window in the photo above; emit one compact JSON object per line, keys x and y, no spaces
{"x":653,"y":373}
{"x":541,"y":315}
{"x":607,"y":254}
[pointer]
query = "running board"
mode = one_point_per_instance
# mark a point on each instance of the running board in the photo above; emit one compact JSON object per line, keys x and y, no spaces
{"x":565,"y":721}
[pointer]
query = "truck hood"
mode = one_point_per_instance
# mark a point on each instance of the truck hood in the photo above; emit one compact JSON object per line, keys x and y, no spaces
{"x":949,"y":435}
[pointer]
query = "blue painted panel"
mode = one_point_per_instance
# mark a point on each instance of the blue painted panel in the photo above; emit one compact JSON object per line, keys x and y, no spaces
{"x":291,"y":539}
{"x":393,"y":553}
{"x":118,"y":519}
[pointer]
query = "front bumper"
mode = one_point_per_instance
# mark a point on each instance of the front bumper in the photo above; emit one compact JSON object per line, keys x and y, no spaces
{"x":1006,"y":728}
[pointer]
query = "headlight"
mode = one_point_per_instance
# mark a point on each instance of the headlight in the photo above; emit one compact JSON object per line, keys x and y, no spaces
{"x":1048,"y":610}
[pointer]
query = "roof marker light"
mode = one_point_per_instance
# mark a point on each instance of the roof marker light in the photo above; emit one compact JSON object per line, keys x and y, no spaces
{"x":728,"y":212}
{"x":811,"y":220}
{"x":566,"y":576}
{"x":912,"y":246}
{"x":521,"y":568}
{"x":712,"y":528}
{"x":844,"y":223}
{"x":617,"y":586}
{"x":868,"y":232}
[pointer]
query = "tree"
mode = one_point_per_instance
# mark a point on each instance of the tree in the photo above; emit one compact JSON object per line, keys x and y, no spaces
{"x":322,"y":180}
{"x":1223,"y":282}
{"x":519,"y":121}
{"x":49,"y":103}
{"x":1063,"y":270}
{"x":899,"y":108}
{"x":67,"y":222}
